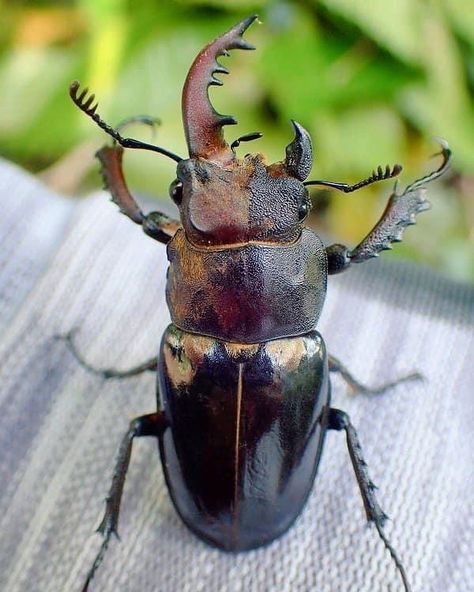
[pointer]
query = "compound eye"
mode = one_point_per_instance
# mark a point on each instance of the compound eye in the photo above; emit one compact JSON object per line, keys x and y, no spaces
{"x":176,"y":191}
{"x":303,"y":210}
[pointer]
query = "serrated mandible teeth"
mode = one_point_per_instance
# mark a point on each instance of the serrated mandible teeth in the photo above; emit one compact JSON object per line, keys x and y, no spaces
{"x":202,"y":124}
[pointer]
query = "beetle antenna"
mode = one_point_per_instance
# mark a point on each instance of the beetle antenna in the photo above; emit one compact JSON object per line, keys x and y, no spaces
{"x":377,"y":175}
{"x":86,"y":104}
{"x":245,"y":138}
{"x":446,"y":153}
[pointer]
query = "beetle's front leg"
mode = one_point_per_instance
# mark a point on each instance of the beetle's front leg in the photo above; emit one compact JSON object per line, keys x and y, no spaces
{"x":156,"y":224}
{"x":147,"y":425}
{"x":339,"y":420}
{"x":357,"y":387}
{"x":399,"y":213}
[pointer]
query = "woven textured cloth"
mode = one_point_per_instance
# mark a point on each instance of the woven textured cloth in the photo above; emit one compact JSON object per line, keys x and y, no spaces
{"x":66,"y":264}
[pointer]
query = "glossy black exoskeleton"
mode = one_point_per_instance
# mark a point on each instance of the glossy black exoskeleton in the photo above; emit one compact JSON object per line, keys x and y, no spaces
{"x":243,"y":376}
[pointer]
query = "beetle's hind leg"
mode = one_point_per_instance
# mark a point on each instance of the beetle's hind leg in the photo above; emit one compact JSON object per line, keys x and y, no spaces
{"x":339,"y":420}
{"x":358,"y":388}
{"x":147,"y":366}
{"x":146,"y":425}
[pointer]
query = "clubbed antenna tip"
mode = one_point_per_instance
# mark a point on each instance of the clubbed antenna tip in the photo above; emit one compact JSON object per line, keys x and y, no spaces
{"x":88,"y":106}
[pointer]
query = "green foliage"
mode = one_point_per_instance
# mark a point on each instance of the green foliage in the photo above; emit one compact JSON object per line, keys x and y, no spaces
{"x":373,"y":81}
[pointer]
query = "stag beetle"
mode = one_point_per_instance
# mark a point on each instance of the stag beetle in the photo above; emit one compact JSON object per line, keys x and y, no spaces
{"x":243,"y":376}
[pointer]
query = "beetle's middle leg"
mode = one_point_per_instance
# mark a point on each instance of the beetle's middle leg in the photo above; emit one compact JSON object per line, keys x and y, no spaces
{"x":150,"y":365}
{"x":339,"y":420}
{"x":357,"y":387}
{"x":154,"y":425}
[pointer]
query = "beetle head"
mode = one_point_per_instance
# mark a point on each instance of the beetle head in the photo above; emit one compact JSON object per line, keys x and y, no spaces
{"x":223,"y":199}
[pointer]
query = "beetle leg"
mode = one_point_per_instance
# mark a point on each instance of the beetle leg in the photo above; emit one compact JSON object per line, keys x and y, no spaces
{"x":400,"y":212}
{"x":146,"y":425}
{"x":339,"y":420}
{"x":336,"y":366}
{"x":156,"y":224}
{"x":147,"y":366}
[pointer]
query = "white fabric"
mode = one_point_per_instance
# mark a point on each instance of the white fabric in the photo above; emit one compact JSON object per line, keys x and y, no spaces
{"x":67,"y":264}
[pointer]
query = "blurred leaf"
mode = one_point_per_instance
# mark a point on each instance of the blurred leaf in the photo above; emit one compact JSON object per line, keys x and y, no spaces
{"x":250,"y":5}
{"x":442,"y":106}
{"x":307,"y":73}
{"x":461,"y":13}
{"x":29,"y":79}
{"x":293,"y":69}
{"x":357,"y":140}
{"x":99,"y":11}
{"x":108,"y":25}
{"x":394,"y":25}
{"x":47,"y":26}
